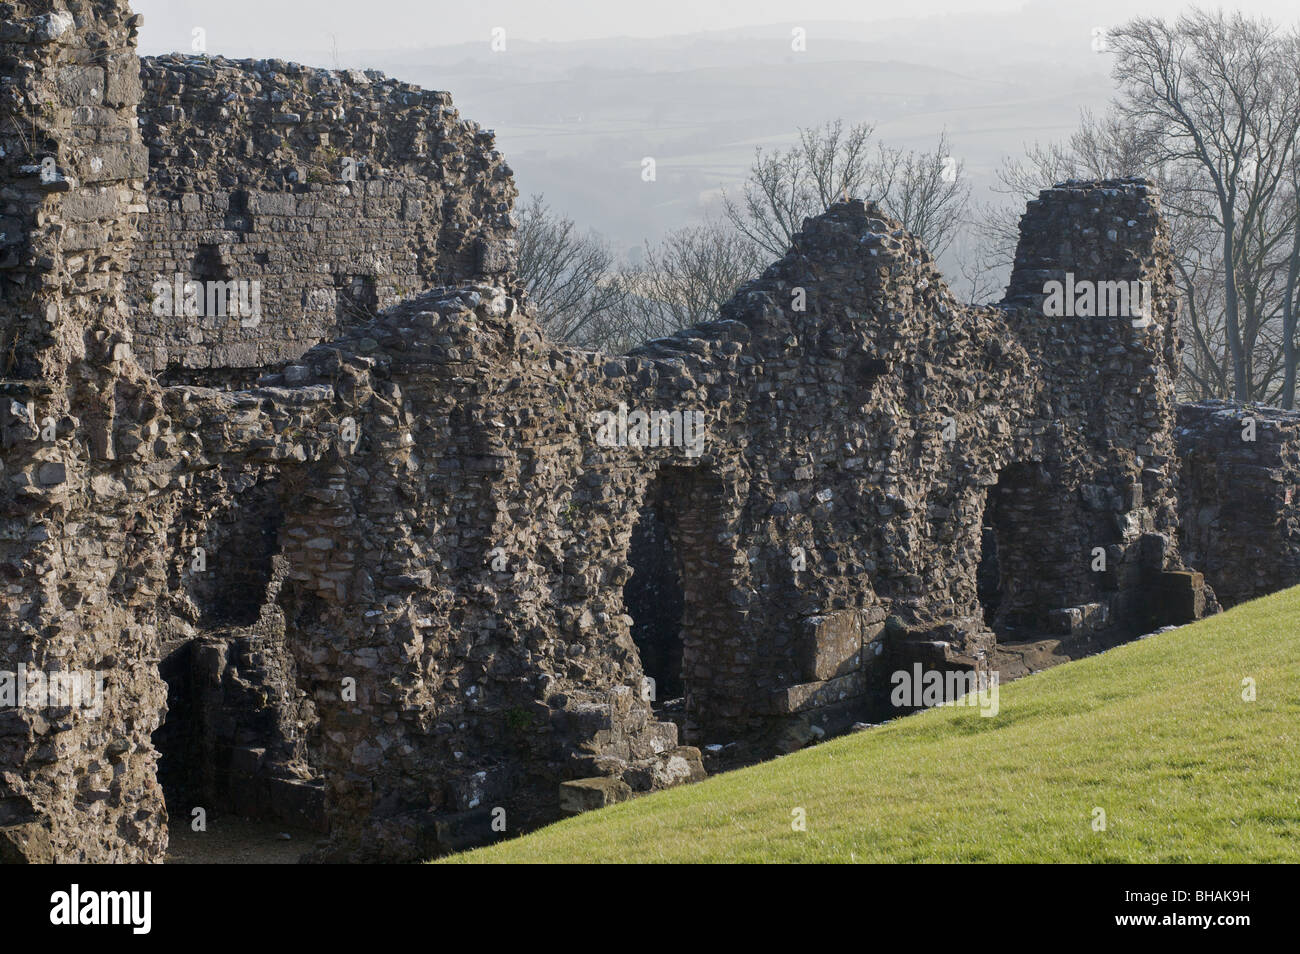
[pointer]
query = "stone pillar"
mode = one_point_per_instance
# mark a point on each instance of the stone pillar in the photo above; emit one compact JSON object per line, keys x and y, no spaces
{"x":1097,"y":308}
{"x":79,"y":553}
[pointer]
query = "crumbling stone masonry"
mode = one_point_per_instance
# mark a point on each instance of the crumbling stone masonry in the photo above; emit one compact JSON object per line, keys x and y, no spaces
{"x":391,"y":583}
{"x":81,"y":556}
{"x":1239,"y":496}
{"x":340,"y":193}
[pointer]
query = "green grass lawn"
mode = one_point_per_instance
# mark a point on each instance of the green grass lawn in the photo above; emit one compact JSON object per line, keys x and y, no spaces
{"x":1156,"y":733}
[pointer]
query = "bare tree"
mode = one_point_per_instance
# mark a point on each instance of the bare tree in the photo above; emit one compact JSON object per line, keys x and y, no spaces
{"x":1290,"y":305}
{"x":1101,"y":148}
{"x":977,"y":268}
{"x":786,"y":187}
{"x":571,"y":279}
{"x":1217,"y":91}
{"x":685,"y":279}
{"x":581,"y":296}
{"x":1207,"y":109}
{"x":926,"y":191}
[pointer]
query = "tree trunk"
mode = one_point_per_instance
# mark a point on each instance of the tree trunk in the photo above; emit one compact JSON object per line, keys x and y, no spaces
{"x":1288,"y":313}
{"x":1240,"y":387}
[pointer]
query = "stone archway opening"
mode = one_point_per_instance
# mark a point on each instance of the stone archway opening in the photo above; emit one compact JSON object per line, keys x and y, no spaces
{"x":236,"y":758}
{"x":1010,"y":567}
{"x":678,"y":600}
{"x":237,"y":751}
{"x":655,"y":601}
{"x":225,"y":571}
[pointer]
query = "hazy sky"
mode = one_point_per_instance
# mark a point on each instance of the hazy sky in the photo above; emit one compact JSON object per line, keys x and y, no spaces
{"x":284,"y":27}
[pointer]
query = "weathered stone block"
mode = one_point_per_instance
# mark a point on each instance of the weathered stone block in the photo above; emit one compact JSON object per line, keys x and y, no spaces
{"x":463,"y":830}
{"x":814,"y":695}
{"x":832,"y":644}
{"x":496,"y":256}
{"x":587,"y":794}
{"x":27,"y":844}
{"x":1179,"y":597}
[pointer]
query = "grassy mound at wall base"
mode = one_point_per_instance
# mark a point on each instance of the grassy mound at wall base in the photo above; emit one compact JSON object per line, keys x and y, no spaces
{"x":1155,"y":733}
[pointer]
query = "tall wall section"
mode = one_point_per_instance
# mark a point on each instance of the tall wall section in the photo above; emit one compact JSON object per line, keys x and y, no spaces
{"x":339,"y":193}
{"x":80,"y":553}
{"x":1107,"y":398}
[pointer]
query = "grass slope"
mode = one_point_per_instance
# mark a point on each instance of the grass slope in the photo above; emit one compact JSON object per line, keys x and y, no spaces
{"x":1155,"y":732}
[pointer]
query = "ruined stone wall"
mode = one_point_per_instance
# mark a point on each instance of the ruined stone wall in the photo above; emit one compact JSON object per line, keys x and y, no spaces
{"x":388,"y":582}
{"x":80,"y":426}
{"x":1107,"y":407}
{"x":1239,"y":496}
{"x":339,"y":192}
{"x":472,"y":579}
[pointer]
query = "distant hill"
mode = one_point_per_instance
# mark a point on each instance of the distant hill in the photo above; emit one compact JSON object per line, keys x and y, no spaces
{"x":576,"y":118}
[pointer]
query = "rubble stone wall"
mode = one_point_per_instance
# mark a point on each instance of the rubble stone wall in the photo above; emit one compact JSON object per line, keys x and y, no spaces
{"x":827,"y":531}
{"x":388,"y":580}
{"x":1239,"y":496}
{"x":81,"y":433}
{"x":338,"y":192}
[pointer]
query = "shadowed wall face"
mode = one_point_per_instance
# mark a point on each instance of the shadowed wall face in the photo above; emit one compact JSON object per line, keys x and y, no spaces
{"x":1238,"y":501}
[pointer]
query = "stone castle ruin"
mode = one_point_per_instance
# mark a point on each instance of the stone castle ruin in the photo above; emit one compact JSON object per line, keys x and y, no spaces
{"x":379,"y":559}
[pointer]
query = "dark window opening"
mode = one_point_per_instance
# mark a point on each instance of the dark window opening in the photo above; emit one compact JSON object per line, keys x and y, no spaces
{"x":239,"y":546}
{"x":677,"y":597}
{"x":987,"y":582}
{"x":358,"y":300}
{"x":174,"y":738}
{"x":209,"y":266}
{"x":221,"y":379}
